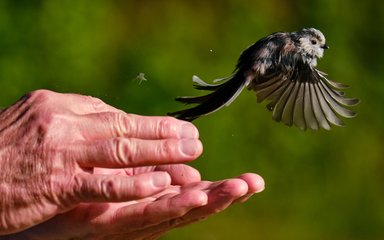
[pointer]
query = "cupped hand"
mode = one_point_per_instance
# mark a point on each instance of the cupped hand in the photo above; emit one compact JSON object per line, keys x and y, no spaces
{"x":61,"y":150}
{"x":186,"y":201}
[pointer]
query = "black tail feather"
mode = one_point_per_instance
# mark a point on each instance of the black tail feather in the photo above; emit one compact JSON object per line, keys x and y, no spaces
{"x":222,"y":95}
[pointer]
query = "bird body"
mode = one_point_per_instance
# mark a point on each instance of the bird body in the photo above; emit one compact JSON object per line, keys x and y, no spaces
{"x":280,"y":68}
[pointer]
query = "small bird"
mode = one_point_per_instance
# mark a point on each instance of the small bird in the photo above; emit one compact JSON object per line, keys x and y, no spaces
{"x":281,"y":69}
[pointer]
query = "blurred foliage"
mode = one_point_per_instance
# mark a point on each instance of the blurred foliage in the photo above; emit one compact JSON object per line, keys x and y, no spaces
{"x":319,"y":185}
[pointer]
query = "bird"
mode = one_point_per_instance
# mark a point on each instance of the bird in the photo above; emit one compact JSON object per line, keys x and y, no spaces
{"x":281,"y":69}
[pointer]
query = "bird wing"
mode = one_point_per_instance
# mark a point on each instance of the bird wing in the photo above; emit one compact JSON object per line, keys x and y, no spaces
{"x":304,"y":97}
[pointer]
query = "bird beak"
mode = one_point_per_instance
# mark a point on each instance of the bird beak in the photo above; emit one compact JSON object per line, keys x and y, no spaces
{"x":325,"y":46}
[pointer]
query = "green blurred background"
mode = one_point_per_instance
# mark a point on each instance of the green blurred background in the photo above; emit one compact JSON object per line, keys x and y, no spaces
{"x":319,"y":185}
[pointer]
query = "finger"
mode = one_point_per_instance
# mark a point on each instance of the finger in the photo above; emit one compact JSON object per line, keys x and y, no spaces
{"x":181,"y":174}
{"x":219,"y":198}
{"x":255,"y":182}
{"x":118,"y":124}
{"x":255,"y":185}
{"x":103,"y":188}
{"x":123,"y":152}
{"x":154,"y":213}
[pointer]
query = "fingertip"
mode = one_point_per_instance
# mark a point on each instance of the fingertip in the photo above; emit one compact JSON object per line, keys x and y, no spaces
{"x":161,"y":179}
{"x":188,"y":131}
{"x":255,"y":182}
{"x":191,"y":147}
{"x":260,"y":185}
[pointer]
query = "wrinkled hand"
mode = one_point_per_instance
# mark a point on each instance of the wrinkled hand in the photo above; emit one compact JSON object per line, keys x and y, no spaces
{"x":51,"y":145}
{"x":76,"y":168}
{"x":187,"y":201}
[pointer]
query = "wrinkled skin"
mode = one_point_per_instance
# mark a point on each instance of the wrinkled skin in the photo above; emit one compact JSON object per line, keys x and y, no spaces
{"x":73,"y":167}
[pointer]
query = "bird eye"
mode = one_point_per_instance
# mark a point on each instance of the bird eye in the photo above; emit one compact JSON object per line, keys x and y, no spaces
{"x":313,"y":41}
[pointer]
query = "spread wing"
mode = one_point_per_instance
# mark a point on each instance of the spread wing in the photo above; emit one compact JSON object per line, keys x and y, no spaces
{"x":305,"y":98}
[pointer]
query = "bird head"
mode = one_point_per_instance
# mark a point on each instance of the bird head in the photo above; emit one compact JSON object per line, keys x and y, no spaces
{"x":311,"y":42}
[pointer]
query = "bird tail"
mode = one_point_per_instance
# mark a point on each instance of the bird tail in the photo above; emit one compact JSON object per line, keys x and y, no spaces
{"x":222,"y":94}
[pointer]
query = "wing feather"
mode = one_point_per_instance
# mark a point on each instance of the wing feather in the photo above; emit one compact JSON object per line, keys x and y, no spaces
{"x":275,"y":96}
{"x":326,"y":109}
{"x":304,"y":97}
{"x":281,"y":102}
{"x":344,"y":112}
{"x":309,"y":115}
{"x":339,"y":98}
{"x":267,"y":91}
{"x":288,"y":113}
{"x":317,"y":109}
{"x":298,"y":111}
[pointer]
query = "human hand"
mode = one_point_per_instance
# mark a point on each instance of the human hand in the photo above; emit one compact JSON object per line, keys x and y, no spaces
{"x":51,"y":145}
{"x":188,"y":200}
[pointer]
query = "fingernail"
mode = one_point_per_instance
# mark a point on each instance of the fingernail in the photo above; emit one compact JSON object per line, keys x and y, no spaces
{"x":260,"y":190}
{"x":189,"y":147}
{"x":161,"y":179}
{"x":261,"y":185}
{"x":187,"y":130}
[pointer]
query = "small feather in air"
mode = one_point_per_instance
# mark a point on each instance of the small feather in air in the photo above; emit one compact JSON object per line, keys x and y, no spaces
{"x":140,"y":77}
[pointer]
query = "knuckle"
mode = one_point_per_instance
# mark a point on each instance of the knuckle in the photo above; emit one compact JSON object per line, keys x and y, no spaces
{"x":104,"y":188}
{"x":164,"y":126}
{"x":78,"y":186}
{"x":166,"y":148}
{"x":62,"y":190}
{"x":124,"y":151}
{"x":109,"y":188}
{"x":123,"y":124}
{"x":118,"y":122}
{"x":40,"y":109}
{"x":39,"y":96}
{"x":96,"y":103}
